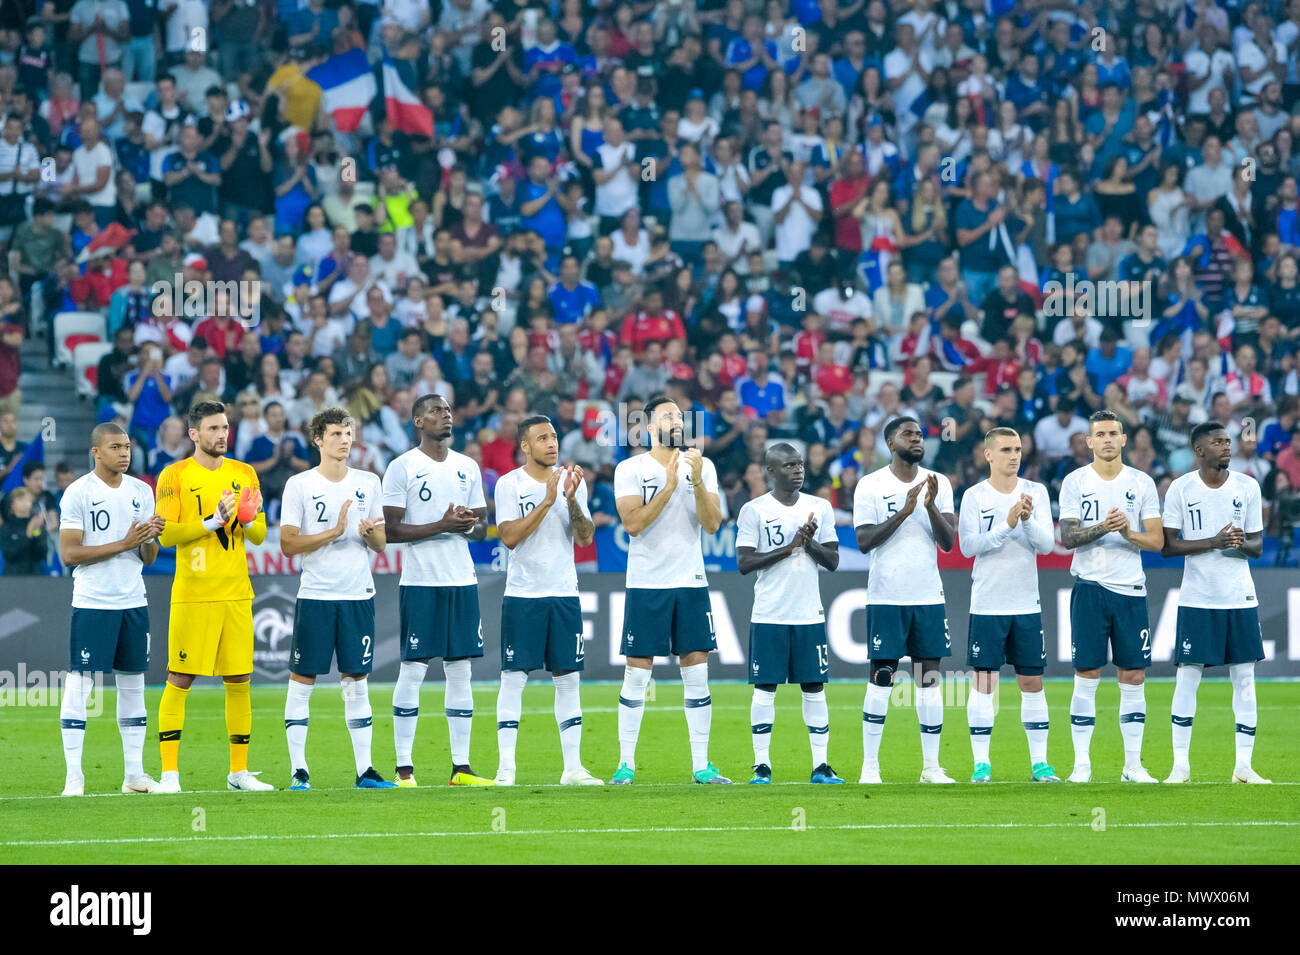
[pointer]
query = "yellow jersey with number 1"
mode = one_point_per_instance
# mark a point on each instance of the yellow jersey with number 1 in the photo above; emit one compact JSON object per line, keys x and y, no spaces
{"x":210,"y":565}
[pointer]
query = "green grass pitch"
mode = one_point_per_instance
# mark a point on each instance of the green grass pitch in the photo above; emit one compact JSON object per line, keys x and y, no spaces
{"x":662,"y":818}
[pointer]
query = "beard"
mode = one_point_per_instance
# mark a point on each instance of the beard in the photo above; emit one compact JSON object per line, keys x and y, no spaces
{"x":912,"y":455}
{"x":672,"y":437}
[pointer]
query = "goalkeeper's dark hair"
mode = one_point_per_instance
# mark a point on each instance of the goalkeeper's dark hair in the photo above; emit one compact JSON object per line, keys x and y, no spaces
{"x":204,"y":409}
{"x":323,"y":419}
{"x":527,"y":423}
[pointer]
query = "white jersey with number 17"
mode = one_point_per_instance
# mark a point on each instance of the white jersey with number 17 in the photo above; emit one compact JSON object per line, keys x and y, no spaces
{"x":667,"y":554}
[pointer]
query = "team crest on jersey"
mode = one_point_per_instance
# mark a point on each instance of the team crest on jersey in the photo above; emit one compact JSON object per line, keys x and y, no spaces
{"x":85,"y":656}
{"x":510,"y":654}
{"x":875,"y":643}
{"x":1130,"y":496}
{"x":413,"y":641}
{"x":361,"y":495}
{"x":1187,"y":646}
{"x":975,"y":649}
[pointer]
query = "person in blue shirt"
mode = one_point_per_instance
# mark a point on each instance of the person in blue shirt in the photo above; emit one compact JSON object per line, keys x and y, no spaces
{"x":762,"y":391}
{"x":1107,"y":127}
{"x":540,"y":212}
{"x":149,"y":389}
{"x":544,"y":62}
{"x":751,"y":54}
{"x":1109,"y":361}
{"x":571,"y":298}
{"x":1076,"y":212}
{"x":1030,"y":92}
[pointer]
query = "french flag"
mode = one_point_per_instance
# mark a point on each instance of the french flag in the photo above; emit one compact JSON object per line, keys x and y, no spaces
{"x":405,"y":111}
{"x":347,"y":87}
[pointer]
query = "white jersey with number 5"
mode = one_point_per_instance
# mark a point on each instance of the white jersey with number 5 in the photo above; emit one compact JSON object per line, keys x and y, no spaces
{"x":1214,"y":580}
{"x":1110,"y":560}
{"x":786,"y":592}
{"x":1006,"y":558}
{"x":425,"y":487}
{"x":541,"y":565}
{"x":667,"y":554}
{"x":103,"y":514}
{"x":904,"y":569}
{"x":341,"y":569}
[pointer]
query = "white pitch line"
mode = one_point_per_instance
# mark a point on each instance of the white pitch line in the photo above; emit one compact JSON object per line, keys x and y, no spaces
{"x":848,"y":827}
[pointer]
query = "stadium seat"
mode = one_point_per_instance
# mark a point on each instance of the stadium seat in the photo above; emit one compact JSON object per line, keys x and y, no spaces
{"x":944,"y":379}
{"x":85,"y":363}
{"x":72,"y":329}
{"x":138,"y":91}
{"x":878,"y":379}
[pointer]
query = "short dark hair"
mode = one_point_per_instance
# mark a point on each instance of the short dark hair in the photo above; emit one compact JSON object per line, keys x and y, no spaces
{"x":1104,"y":415}
{"x":31,"y":467}
{"x":1203,"y":431}
{"x":895,"y":423}
{"x":527,"y":423}
{"x":782,"y":448}
{"x":422,"y":403}
{"x":655,"y":401}
{"x":323,"y":419}
{"x":101,"y":431}
{"x":203,"y":409}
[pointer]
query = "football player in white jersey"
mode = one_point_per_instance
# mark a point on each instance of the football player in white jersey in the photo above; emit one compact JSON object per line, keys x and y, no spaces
{"x":108,"y":533}
{"x":1109,"y":514}
{"x":541,"y":618}
{"x":786,"y":536}
{"x":1214,"y":519}
{"x":664,"y":499}
{"x":903,"y":516}
{"x":1006,"y":522}
{"x":332,"y":516}
{"x":433,"y":500}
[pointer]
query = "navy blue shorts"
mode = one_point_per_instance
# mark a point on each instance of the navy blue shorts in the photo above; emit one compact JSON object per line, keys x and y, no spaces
{"x":324,"y":628}
{"x":677,"y":621}
{"x":1218,"y":638}
{"x":788,"y":653}
{"x":1102,"y":620}
{"x":994,"y":640}
{"x":104,"y":640}
{"x":440,"y":622}
{"x":895,"y":631}
{"x":541,"y":631}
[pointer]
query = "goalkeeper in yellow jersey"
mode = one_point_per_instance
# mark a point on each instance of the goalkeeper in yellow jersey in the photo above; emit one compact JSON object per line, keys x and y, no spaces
{"x":210,"y":504}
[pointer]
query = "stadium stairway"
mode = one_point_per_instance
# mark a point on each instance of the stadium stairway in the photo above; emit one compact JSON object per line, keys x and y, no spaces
{"x":50,"y":393}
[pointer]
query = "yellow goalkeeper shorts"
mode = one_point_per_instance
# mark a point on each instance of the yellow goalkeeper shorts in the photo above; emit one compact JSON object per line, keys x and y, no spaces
{"x":211,"y":639}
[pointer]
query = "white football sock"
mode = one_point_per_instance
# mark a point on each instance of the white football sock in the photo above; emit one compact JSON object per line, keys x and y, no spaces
{"x":72,"y":718}
{"x":1183,"y":709}
{"x":568,"y":717}
{"x":874,"y":707}
{"x":1132,"y":721}
{"x":1034,"y":718}
{"x":699,"y":712}
{"x":406,"y":708}
{"x":929,"y":710}
{"x":510,"y":705}
{"x":631,"y":707}
{"x":762,"y":712}
{"x":297,"y":710}
{"x":979,"y":717}
{"x":131,"y":721}
{"x":816,"y":716}
{"x":1243,"y":710}
{"x":459,"y":704}
{"x":360,"y":719}
{"x":1083,"y":717}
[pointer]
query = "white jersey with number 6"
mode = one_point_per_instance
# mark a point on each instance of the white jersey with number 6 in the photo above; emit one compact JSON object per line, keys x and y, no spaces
{"x":1214,"y":580}
{"x":786,"y":592}
{"x":667,"y":554}
{"x":425,"y":487}
{"x":1110,"y":560}
{"x":341,"y":569}
{"x":904,"y":569}
{"x":541,"y":565}
{"x":103,"y":514}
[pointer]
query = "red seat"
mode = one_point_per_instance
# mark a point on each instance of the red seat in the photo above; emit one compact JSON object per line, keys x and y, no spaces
{"x":92,"y":375}
{"x":72,"y":341}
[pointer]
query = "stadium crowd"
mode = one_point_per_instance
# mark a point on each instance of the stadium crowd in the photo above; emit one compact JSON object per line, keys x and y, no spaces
{"x":798,"y":218}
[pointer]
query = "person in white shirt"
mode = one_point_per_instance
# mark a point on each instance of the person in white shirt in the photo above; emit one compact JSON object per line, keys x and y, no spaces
{"x":108,"y":533}
{"x":433,"y":501}
{"x":1109,"y":514}
{"x":1213,"y":518}
{"x":796,"y":210}
{"x":616,"y":189}
{"x":903,"y":514}
{"x":1005,"y":523}
{"x":93,"y":162}
{"x":393,"y":267}
{"x":331,"y":517}
{"x":541,"y":619}
{"x":664,"y":499}
{"x":786,"y":536}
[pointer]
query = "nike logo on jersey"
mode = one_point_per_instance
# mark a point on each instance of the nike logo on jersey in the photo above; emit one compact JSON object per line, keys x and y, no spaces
{"x":196,"y":488}
{"x":1193,"y":503}
{"x":986,"y":510}
{"x":421,"y":474}
{"x":97,"y":503}
{"x":317,"y":497}
{"x":1093,"y":494}
{"x":889,"y":497}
